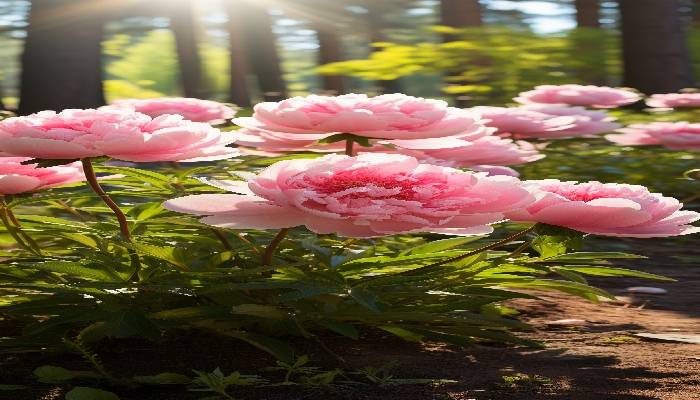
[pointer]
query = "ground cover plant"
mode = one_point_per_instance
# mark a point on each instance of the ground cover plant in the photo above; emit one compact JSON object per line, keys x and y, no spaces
{"x":320,"y":216}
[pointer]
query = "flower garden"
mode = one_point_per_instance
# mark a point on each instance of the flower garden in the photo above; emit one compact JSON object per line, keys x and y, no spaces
{"x":316,"y":228}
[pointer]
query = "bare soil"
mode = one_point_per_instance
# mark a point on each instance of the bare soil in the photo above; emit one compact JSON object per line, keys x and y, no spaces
{"x":597,"y":358}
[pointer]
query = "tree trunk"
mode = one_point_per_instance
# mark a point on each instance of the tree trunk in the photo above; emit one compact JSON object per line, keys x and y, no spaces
{"x":329,"y":50}
{"x":376,"y":34}
{"x":256,"y":24}
{"x":183,"y":23}
{"x":654,"y":48}
{"x":588,"y":13}
{"x":459,"y":14}
{"x":239,"y":68}
{"x":62,"y":59}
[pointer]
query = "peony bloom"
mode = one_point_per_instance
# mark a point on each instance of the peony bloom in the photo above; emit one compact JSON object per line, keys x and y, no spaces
{"x":368,"y":195}
{"x":579,"y":95}
{"x":586,"y":122}
{"x":607,"y":209}
{"x":519,"y":122}
{"x":277,"y":142}
{"x":191,"y":109}
{"x":493,"y":170}
{"x":121,"y":134}
{"x":672,"y":135}
{"x":389,"y":116}
{"x":16,"y":178}
{"x":459,"y":153}
{"x":674,"y":100}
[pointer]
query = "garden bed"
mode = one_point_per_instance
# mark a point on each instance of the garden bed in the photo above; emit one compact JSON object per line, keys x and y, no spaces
{"x":600,"y":359}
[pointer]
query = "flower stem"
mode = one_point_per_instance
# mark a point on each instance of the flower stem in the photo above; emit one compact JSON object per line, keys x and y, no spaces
{"x":222,"y":238}
{"x":13,"y":227}
{"x":270,"y":250}
{"x":491,"y":246}
{"x":92,"y":181}
{"x":348,"y":147}
{"x":89,"y":172}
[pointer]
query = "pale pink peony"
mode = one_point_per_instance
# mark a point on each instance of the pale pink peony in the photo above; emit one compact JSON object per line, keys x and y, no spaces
{"x":674,"y":100}
{"x":191,"y":109}
{"x":579,"y":95}
{"x":587,"y":122}
{"x":459,"y":152}
{"x":389,"y":116}
{"x":121,"y":134}
{"x":368,"y":195}
{"x":493,"y":170}
{"x":519,"y":122}
{"x":672,"y":135}
{"x":278,"y":142}
{"x":607,"y":209}
{"x":16,"y":178}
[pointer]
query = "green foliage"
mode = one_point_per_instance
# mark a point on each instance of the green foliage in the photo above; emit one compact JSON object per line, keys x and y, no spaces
{"x":492,"y":63}
{"x":86,"y":393}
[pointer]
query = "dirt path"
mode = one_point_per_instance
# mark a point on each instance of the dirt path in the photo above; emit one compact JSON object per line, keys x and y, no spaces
{"x":598,"y":358}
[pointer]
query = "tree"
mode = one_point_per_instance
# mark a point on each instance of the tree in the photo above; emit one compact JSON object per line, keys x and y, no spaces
{"x":238,"y":86}
{"x":253,"y":24}
{"x":61,"y":63}
{"x":587,"y":13}
{"x":459,"y":14}
{"x":655,"y":55}
{"x":183,"y":23}
{"x":376,"y":25}
{"x":329,"y":50}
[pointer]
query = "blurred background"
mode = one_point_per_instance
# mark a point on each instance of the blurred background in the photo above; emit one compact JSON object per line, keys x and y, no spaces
{"x":57,"y":54}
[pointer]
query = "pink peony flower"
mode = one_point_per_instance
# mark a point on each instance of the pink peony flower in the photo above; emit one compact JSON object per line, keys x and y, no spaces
{"x":364,"y":196}
{"x":587,"y":122}
{"x":674,"y":100}
{"x":579,"y":95}
{"x":121,"y":134}
{"x":607,"y":209}
{"x":389,"y":116}
{"x":16,"y":178}
{"x":493,"y":170}
{"x":277,"y":142}
{"x":191,"y":109}
{"x":523,"y":123}
{"x":672,"y":135}
{"x":459,"y":152}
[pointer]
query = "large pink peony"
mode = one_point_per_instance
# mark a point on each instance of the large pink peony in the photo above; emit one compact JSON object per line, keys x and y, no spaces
{"x":196,"y":110}
{"x":586,"y":122}
{"x":364,"y":196}
{"x":121,"y":134}
{"x":16,"y":178}
{"x":278,"y":142}
{"x":389,"y":116}
{"x":607,"y":209}
{"x":674,"y":100}
{"x":579,"y":95}
{"x":672,"y":135}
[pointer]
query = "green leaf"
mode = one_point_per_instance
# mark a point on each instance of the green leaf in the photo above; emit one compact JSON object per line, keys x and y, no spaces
{"x":164,"y":378}
{"x":365,"y":298}
{"x":13,"y":387}
{"x":259,"y":310}
{"x":441,"y":245}
{"x":170,"y":254}
{"x":343,"y":328}
{"x":340,"y":137}
{"x":140,"y":175}
{"x":612,"y":272}
{"x":86,"y":393}
{"x":404,"y":334}
{"x":279,"y":349}
{"x":131,"y":323}
{"x":53,"y":374}
{"x":78,"y":270}
{"x":41,"y":163}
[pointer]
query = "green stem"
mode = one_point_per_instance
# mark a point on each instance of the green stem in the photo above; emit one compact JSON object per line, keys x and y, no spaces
{"x":348,"y":147}
{"x":89,"y":172}
{"x":270,"y":250}
{"x":491,"y":246}
{"x":14,"y":229}
{"x":95,"y":186}
{"x":222,"y":238}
